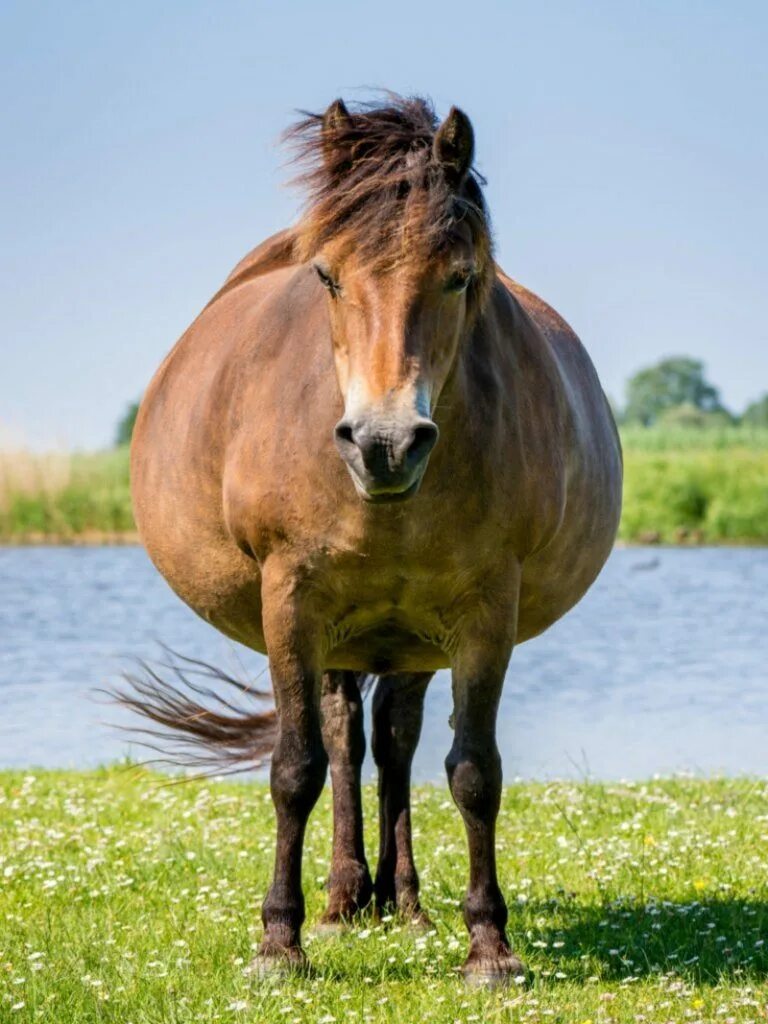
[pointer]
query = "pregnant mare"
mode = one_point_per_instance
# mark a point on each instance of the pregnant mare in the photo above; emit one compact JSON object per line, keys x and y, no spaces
{"x":373,"y":453}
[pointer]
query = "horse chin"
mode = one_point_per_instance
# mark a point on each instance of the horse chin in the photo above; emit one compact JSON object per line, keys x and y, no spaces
{"x":387,"y":497}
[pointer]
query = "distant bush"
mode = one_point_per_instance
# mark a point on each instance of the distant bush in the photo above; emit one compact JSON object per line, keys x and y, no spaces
{"x":712,"y":494}
{"x":124,"y":430}
{"x":756,"y":414}
{"x":675,"y":383}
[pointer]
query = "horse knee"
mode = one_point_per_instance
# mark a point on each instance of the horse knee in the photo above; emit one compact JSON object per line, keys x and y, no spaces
{"x":297,"y":775}
{"x":475,"y":781}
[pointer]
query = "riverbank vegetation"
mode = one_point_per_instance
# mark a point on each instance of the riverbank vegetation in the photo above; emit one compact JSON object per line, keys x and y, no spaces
{"x":682,"y":484}
{"x":65,"y":498}
{"x":694,"y":472}
{"x":126,"y":900}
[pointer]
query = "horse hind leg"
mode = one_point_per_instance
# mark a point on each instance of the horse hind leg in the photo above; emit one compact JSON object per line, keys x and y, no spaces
{"x":398,"y":708}
{"x":350,"y":886}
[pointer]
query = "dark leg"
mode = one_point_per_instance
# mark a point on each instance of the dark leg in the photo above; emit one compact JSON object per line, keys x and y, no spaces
{"x":474,"y":775}
{"x":398,"y":707}
{"x":298,"y":770}
{"x":344,"y":738}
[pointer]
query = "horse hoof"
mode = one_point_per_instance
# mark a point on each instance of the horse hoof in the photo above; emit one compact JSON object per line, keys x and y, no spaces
{"x":498,"y":972}
{"x":277,"y":965}
{"x":326,"y":928}
{"x":419,"y":922}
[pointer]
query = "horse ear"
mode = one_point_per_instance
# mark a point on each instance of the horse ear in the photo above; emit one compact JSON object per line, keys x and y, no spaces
{"x":335,"y":120}
{"x":454,"y":146}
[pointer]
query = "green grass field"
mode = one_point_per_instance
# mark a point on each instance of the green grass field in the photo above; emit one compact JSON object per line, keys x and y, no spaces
{"x":681,"y":486}
{"x":122,"y":900}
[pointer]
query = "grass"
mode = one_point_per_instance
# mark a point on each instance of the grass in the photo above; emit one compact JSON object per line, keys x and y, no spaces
{"x":681,"y":486}
{"x":125,"y":901}
{"x":705,"y":486}
{"x":63,"y":497}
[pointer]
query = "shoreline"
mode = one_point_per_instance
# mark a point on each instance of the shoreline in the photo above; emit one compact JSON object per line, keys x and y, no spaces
{"x":87,"y":539}
{"x":130,"y":538}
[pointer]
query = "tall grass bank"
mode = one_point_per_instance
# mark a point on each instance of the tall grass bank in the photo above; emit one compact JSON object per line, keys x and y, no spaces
{"x":700,"y":486}
{"x":65,"y":498}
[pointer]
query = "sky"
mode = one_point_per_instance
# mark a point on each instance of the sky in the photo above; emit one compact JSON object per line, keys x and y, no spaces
{"x":624,"y":144}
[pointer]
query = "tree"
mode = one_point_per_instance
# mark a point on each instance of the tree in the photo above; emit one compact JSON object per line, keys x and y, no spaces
{"x":756,"y":414}
{"x":672,"y":382}
{"x":125,"y":426}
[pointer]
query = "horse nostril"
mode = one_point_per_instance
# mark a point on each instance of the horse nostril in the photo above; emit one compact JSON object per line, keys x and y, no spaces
{"x":424,"y":440}
{"x":344,"y":433}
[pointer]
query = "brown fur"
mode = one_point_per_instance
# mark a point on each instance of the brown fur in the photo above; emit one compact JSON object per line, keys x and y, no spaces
{"x":404,"y":555}
{"x":371,"y":182}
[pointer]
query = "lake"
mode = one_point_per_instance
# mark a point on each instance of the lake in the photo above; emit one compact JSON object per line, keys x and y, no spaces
{"x":660,"y":669}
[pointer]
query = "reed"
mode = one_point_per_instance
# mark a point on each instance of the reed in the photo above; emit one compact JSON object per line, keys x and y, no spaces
{"x":681,"y":486}
{"x":64,"y":497}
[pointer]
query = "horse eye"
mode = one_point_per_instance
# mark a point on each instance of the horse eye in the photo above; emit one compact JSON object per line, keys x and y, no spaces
{"x":327,"y":281}
{"x":458,"y":281}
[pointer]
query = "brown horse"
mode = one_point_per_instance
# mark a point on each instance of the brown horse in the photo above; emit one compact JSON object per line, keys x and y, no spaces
{"x":375,"y":453}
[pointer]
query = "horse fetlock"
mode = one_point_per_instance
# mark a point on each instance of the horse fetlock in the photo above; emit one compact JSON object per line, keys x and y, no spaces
{"x":409,"y":909}
{"x":351,"y":890}
{"x":398,"y":892}
{"x":485,"y":909}
{"x":406,"y":889}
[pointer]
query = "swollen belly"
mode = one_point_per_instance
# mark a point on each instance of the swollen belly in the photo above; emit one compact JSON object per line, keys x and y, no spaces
{"x":387,"y":648}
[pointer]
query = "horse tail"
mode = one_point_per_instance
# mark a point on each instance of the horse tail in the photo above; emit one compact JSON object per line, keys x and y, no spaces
{"x":200,"y":724}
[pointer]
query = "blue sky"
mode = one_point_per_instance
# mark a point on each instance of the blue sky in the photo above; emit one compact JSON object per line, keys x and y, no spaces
{"x":625,"y":148}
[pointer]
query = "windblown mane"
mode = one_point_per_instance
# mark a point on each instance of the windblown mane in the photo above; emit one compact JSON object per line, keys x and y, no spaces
{"x":371,"y":178}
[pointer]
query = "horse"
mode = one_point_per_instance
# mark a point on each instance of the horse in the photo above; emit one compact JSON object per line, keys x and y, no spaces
{"x":375,"y":455}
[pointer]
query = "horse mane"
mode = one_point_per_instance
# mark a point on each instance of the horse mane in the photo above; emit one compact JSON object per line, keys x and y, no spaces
{"x":372,"y":181}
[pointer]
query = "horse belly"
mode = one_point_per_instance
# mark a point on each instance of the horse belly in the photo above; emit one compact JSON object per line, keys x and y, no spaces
{"x":387,"y":648}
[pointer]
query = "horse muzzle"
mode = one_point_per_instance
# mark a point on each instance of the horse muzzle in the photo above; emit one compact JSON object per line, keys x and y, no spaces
{"x":386,"y":460}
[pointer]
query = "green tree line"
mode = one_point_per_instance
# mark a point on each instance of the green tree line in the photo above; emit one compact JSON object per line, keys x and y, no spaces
{"x":673,"y":393}
{"x":676,"y":393}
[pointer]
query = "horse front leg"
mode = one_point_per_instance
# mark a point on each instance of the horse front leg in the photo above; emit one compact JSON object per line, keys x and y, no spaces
{"x":299,"y":763}
{"x":398,"y":707}
{"x":344,"y":738}
{"x":474,"y":775}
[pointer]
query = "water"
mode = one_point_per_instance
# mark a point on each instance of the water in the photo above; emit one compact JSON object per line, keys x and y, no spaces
{"x":661,"y":668}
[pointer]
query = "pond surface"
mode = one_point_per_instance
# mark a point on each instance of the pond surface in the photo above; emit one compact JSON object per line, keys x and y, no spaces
{"x":661,"y":668}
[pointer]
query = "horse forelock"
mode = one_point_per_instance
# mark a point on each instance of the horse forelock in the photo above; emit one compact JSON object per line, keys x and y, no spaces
{"x":372,"y":182}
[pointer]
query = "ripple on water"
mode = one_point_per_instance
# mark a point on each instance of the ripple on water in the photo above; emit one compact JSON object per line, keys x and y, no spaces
{"x":659,"y":669}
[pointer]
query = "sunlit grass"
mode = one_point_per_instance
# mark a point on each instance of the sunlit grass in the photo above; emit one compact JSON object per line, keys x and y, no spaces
{"x":122,"y":900}
{"x":685,"y":439}
{"x":64,"y":496}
